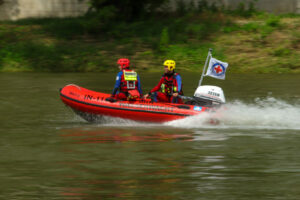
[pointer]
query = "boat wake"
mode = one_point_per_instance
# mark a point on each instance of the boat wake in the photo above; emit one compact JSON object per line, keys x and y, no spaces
{"x":268,"y":113}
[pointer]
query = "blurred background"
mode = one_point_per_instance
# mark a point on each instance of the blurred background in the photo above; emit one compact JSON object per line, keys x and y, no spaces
{"x":257,"y":36}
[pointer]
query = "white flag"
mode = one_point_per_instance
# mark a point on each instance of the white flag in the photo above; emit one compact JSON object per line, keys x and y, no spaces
{"x":216,"y":68}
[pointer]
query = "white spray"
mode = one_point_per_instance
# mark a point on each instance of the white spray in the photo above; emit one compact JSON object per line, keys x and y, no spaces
{"x":269,"y":113}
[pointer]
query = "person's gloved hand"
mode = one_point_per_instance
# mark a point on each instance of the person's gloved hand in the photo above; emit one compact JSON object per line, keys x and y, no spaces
{"x":147,"y":95}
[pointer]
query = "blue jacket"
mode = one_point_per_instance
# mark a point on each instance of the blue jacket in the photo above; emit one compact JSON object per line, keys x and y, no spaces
{"x":118,"y":84}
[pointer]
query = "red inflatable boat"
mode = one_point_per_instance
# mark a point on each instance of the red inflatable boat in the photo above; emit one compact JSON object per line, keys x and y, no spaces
{"x":92,"y":105}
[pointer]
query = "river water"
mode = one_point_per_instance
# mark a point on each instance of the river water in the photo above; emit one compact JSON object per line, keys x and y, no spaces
{"x":47,"y":152}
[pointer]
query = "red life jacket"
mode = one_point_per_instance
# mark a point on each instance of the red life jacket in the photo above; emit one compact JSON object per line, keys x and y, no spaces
{"x":129,"y":80}
{"x":169,"y":85}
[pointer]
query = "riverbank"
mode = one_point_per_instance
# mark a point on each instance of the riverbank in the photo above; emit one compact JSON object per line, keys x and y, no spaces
{"x":262,"y":43}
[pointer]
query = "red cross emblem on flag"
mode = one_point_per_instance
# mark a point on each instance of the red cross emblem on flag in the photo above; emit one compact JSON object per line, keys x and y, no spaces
{"x":218,"y":69}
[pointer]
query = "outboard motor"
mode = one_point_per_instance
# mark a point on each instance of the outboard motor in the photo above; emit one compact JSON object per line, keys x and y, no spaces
{"x":208,"y":95}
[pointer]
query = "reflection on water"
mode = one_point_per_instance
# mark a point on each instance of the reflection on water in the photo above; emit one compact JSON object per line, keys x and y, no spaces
{"x":107,"y":135}
{"x":49,"y":153}
{"x":123,"y":162}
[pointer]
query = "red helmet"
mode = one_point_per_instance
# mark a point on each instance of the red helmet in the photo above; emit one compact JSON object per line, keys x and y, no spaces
{"x":124,"y":63}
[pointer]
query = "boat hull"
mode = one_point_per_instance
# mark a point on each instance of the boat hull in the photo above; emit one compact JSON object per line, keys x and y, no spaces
{"x":92,"y":105}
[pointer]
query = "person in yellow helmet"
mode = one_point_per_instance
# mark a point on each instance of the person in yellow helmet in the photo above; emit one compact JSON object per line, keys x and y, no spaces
{"x":169,"y":86}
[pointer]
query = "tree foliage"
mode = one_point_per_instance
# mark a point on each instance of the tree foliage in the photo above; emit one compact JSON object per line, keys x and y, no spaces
{"x":127,"y":9}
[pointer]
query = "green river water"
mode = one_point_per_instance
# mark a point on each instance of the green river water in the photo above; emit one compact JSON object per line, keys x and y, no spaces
{"x":47,"y":152}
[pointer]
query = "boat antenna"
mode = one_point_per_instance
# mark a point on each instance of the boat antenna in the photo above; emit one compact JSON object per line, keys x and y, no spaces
{"x":205,"y":65}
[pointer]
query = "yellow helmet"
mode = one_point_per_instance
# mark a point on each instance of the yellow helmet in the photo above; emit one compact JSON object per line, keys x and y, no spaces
{"x":170,"y":64}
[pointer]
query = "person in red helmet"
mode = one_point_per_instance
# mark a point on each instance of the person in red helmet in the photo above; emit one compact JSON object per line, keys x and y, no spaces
{"x":128,"y":84}
{"x":169,"y":87}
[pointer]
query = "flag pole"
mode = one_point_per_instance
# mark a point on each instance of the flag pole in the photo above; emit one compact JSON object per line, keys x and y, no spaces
{"x":205,"y":65}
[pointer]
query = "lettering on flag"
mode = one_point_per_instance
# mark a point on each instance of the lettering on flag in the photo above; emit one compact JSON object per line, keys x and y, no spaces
{"x":216,"y":69}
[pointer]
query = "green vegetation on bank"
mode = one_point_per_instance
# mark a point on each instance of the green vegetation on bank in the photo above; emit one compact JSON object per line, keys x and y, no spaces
{"x":249,"y":41}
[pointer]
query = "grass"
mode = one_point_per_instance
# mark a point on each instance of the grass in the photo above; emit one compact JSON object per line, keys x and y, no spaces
{"x":261,"y":43}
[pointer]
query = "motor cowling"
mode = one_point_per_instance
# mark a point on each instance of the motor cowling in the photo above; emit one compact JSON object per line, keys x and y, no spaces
{"x":210,"y":93}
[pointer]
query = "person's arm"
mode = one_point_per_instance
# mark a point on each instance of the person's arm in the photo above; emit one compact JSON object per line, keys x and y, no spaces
{"x":179,"y":83}
{"x":139,"y":86}
{"x":178,"y":86}
{"x":117,"y":84}
{"x":156,"y":88}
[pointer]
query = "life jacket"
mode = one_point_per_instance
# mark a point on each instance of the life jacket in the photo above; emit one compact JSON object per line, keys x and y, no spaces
{"x":169,"y":84}
{"x":129,"y":80}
